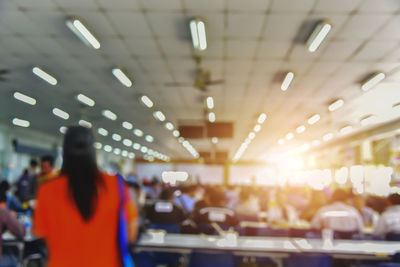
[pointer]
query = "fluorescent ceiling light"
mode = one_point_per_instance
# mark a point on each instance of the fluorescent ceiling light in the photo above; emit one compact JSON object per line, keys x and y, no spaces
{"x":131,"y":155}
{"x":147,"y":101}
{"x":61,"y":113}
{"x":63,"y":129}
{"x":102,"y":131}
{"x":211,"y":116}
{"x":287,"y":81}
{"x":138,"y":132}
{"x":327,"y":137}
{"x":336,"y":105}
{"x":107,"y":148}
{"x":109,"y":114}
{"x":251,"y":135}
{"x":82,"y":33}
{"x":21,"y":123}
{"x":136,"y":146}
{"x":85,"y":124}
{"x":127,"y":142}
{"x":44,"y":75}
{"x":318,"y":35}
{"x":367,"y":120}
{"x":372,"y":81}
{"x":314,"y":119}
{"x":176,"y":133}
{"x":120,"y":75}
{"x":289,"y":136}
{"x":169,"y":126}
{"x":210,"y":102}
{"x":214,"y":140}
{"x":257,"y":128}
{"x":159,"y":115}
{"x":198,"y":32}
{"x":117,"y":151}
{"x":149,"y":138}
{"x":127,"y":125}
{"x":24,"y":98}
{"x":124,"y":153}
{"x":346,"y":129}
{"x":261,"y":118}
{"x":85,"y":100}
{"x":143,"y":149}
{"x":300,"y":129}
{"x":181,"y":139}
{"x":98,"y":145}
{"x":281,"y":141}
{"x":116,"y":137}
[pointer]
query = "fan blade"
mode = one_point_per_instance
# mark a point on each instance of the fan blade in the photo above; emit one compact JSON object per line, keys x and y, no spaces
{"x":215,"y":82}
{"x":179,"y":84}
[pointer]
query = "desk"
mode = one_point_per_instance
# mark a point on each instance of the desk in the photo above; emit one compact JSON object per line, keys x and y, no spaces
{"x":10,"y":240}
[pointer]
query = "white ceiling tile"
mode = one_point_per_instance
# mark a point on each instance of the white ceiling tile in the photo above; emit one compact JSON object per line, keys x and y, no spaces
{"x":283,"y":27}
{"x":337,"y":5}
{"x":172,"y":25}
{"x":51,"y":23}
{"x":244,"y":25}
{"x":390,"y":31}
{"x":91,"y":4}
{"x":214,"y":49}
{"x":39,"y":4}
{"x":300,"y":51}
{"x":161,"y":4}
{"x":362,"y":26}
{"x":214,"y":5}
{"x":264,"y":66}
{"x":339,"y":50}
{"x":379,"y":6}
{"x":17,"y":22}
{"x":324,"y":67}
{"x":175,"y":47}
{"x":375,"y":50}
{"x":143,"y":47}
{"x":292,"y":6}
{"x":241,"y":48}
{"x":251,"y":5}
{"x":273,"y":50}
{"x":118,"y":4}
{"x":129,"y":23}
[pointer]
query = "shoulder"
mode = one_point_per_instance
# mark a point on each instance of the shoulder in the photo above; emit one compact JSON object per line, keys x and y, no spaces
{"x":55,"y":182}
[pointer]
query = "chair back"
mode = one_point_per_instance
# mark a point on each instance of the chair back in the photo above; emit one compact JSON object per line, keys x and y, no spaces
{"x":392,"y":236}
{"x":169,"y":228}
{"x":309,"y":260}
{"x":201,"y":259}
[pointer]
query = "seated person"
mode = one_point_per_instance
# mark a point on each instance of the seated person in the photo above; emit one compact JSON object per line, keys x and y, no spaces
{"x":366,"y":212}
{"x":164,"y":210}
{"x":339,"y":215}
{"x":186,"y":199}
{"x":318,"y":200}
{"x":10,"y":222}
{"x":12,"y":203}
{"x":389,"y":221}
{"x":248,"y":206}
{"x":279,"y":211}
{"x":212,"y":210}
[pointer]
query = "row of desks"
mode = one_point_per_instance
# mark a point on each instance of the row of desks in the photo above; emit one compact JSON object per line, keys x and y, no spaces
{"x":278,"y":247}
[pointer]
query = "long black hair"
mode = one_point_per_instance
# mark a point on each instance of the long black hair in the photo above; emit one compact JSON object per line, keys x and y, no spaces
{"x":79,"y":165}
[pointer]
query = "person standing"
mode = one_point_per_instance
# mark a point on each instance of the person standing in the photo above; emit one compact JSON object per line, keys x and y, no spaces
{"x":77,"y":213}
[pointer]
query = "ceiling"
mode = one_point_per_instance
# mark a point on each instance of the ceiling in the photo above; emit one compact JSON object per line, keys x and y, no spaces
{"x":250,"y":44}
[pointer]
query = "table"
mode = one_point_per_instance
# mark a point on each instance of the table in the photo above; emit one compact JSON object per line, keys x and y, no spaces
{"x":10,"y":240}
{"x":273,"y":247}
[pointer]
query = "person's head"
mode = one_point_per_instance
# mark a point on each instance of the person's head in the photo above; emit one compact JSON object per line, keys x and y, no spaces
{"x":46,"y":164}
{"x":3,"y":196}
{"x":215,"y":197}
{"x":33,"y":164}
{"x":394,"y":199}
{"x":79,"y":165}
{"x":318,"y":198}
{"x":339,"y":196}
{"x":359,"y":202}
{"x":245,"y":194}
{"x":167,"y":194}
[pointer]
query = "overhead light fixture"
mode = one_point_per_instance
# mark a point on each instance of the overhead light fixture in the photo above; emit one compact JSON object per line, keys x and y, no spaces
{"x":336,"y":105}
{"x":287,"y":80}
{"x":367,"y":120}
{"x":373,"y":80}
{"x":24,"y":98}
{"x":318,"y":35}
{"x":117,"y":151}
{"x":313,"y":119}
{"x":149,"y":138}
{"x":169,"y":126}
{"x":98,"y":145}
{"x":138,"y":132}
{"x":210,"y":102}
{"x":346,"y":129}
{"x":107,"y":148}
{"x":289,"y":136}
{"x":181,"y":139}
{"x":116,"y":137}
{"x":121,"y":76}
{"x":63,"y":129}
{"x":146,"y":101}
{"x":102,"y":131}
{"x":300,"y":129}
{"x":61,"y":113}
{"x":211,"y":117}
{"x":159,"y":115}
{"x":214,"y":140}
{"x":21,"y":123}
{"x":127,"y":125}
{"x":281,"y":141}
{"x":176,"y":133}
{"x":257,"y":128}
{"x":143,"y":149}
{"x":124,"y":153}
{"x":198,"y":32}
{"x":327,"y":137}
{"x":82,"y":33}
{"x":131,"y":155}
{"x":44,"y":75}
{"x":109,"y":114}
{"x":85,"y":123}
{"x":261,"y":118}
{"x":136,"y":146}
{"x":251,"y":135}
{"x":85,"y":100}
{"x":127,"y":142}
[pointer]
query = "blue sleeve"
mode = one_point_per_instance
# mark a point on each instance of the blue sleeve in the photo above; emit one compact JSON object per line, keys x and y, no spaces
{"x":13,"y":204}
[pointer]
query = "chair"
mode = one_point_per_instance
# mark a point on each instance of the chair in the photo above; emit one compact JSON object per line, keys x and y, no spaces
{"x":391,"y":236}
{"x":202,"y":259}
{"x":33,"y":257}
{"x":144,"y":259}
{"x":344,"y":235}
{"x":272,"y":232}
{"x":169,"y":228}
{"x":163,"y":257}
{"x":309,"y":260}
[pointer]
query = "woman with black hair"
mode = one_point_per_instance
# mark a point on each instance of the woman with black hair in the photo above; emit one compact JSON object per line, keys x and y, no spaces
{"x":77,"y":213}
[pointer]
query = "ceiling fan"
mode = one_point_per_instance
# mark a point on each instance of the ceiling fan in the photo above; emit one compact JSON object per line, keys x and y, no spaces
{"x":3,"y":73}
{"x":202,"y":78}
